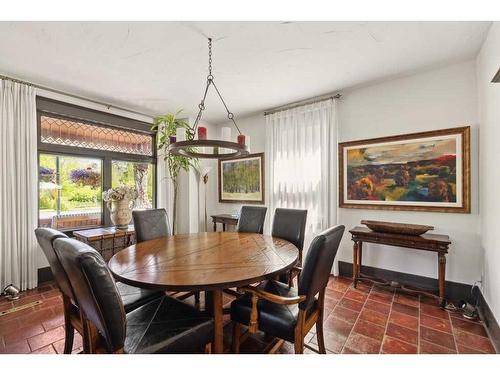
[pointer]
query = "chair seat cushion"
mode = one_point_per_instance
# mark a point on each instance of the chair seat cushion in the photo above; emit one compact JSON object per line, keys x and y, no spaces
{"x":133,"y":297}
{"x":167,"y":325}
{"x":276,"y":320}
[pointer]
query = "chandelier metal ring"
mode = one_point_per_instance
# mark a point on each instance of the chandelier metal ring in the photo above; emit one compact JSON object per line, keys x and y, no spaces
{"x":221,"y":149}
{"x":226,"y":149}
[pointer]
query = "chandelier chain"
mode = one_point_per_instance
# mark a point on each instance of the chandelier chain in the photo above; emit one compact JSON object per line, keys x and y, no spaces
{"x":210,"y":58}
{"x":210,"y":81}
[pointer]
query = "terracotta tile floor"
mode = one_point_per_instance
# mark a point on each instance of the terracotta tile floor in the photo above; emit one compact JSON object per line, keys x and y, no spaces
{"x":362,"y":320}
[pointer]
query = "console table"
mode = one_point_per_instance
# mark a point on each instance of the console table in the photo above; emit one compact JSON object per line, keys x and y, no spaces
{"x":107,"y":241}
{"x":437,"y":243}
{"x":224,"y":219}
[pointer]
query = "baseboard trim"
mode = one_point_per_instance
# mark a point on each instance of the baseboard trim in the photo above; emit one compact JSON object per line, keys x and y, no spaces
{"x":490,"y":322}
{"x":454,"y":291}
{"x":44,"y":275}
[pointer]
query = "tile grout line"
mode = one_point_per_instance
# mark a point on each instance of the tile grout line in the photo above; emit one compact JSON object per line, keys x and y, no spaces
{"x":418,"y":323}
{"x":387,"y":323}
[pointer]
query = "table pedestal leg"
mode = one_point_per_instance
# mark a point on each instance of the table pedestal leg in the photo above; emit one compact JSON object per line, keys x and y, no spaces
{"x":441,"y":277}
{"x":218,"y":345}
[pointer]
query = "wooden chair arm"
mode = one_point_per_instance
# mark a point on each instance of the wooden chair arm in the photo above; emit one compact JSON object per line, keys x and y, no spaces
{"x":280,"y":300}
{"x":253,"y":324}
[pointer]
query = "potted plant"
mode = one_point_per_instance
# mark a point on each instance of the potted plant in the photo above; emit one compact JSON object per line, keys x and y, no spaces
{"x":166,"y":127}
{"x":120,"y":201}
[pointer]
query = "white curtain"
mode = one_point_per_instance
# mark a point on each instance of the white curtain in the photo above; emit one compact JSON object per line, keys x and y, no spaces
{"x":302,"y":163}
{"x":18,"y":185}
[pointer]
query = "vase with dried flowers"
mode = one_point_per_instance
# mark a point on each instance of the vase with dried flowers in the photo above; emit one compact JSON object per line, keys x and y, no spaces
{"x":120,"y":202}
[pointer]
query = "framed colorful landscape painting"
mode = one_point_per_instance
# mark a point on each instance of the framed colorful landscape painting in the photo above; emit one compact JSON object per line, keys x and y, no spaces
{"x":427,"y":171}
{"x":241,"y":180}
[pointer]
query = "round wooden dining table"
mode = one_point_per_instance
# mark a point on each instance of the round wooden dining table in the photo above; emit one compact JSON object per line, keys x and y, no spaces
{"x":207,"y":262}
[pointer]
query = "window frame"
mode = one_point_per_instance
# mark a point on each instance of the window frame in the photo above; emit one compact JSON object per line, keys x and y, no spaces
{"x":56,"y":109}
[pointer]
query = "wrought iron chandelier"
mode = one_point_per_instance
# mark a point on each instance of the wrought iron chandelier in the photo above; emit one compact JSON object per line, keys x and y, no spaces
{"x":205,"y":148}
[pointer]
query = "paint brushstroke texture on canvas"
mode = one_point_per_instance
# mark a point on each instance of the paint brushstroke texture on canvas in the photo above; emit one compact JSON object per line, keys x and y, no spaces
{"x":427,"y":171}
{"x":418,"y":171}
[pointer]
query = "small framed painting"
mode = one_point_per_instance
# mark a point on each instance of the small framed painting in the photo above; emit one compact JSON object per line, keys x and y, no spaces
{"x":427,"y":171}
{"x":241,"y":180}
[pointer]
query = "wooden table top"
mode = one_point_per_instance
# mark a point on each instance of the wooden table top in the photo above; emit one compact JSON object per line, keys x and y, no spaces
{"x":203,"y":261}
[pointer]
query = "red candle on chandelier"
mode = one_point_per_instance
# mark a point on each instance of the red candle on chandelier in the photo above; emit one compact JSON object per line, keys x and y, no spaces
{"x":241,"y":139}
{"x":202,"y":132}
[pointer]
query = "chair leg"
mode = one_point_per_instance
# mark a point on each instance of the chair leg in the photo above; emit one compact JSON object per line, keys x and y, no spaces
{"x":235,"y":345}
{"x":197,"y":298}
{"x":319,"y":323}
{"x":299,"y":332}
{"x":69,"y":335}
{"x":299,"y":344}
{"x":319,"y":335}
{"x":69,"y":330}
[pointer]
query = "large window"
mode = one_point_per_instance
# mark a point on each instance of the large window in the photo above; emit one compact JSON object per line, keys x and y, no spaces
{"x":83,"y":153}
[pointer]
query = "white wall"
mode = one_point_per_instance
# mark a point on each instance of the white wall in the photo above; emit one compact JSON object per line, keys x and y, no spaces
{"x":437,"y":99}
{"x":488,"y":63}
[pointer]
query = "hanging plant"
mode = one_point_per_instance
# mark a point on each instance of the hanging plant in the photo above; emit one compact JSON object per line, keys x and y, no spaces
{"x":45,"y":174}
{"x":86,"y":177}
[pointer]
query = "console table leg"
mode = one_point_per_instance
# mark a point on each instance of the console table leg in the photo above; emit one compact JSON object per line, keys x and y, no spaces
{"x":355,"y":263}
{"x":442,"y":277}
{"x":215,"y":226}
{"x":360,"y":256}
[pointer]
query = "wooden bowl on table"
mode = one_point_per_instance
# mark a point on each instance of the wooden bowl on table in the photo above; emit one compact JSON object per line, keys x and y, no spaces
{"x":397,"y":228}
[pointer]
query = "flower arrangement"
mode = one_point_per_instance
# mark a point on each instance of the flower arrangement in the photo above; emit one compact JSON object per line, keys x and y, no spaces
{"x":120,"y":193}
{"x":86,"y":177}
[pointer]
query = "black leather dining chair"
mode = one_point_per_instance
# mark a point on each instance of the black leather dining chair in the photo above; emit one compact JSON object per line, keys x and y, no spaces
{"x":163,"y":325}
{"x":283,"y":311}
{"x":252,"y":219}
{"x":290,"y":224}
{"x":131,"y":297}
{"x":152,"y":224}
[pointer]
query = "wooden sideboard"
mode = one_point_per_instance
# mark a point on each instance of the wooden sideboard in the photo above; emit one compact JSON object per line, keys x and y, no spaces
{"x":224,"y":219}
{"x":437,"y":243}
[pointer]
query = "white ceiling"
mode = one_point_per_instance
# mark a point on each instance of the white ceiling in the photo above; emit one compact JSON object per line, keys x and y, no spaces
{"x":159,"y":67}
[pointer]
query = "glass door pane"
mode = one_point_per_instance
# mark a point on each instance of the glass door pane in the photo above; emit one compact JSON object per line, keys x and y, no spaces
{"x":70,"y":192}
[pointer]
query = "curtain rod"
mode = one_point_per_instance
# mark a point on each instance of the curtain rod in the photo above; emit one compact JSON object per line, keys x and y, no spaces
{"x":301,"y":103}
{"x":108,"y":106}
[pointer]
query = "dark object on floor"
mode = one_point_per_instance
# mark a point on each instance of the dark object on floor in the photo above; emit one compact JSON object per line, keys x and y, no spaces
{"x":252,"y":219}
{"x":132,"y":297}
{"x":398,"y":228}
{"x":11,"y":292}
{"x":285,"y":312}
{"x":162,"y":325}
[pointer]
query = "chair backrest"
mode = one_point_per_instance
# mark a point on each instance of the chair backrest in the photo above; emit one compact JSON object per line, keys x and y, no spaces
{"x":318,"y":264}
{"x":95,"y":290}
{"x":46,"y":237}
{"x":252,"y":219}
{"x":150,"y":224}
{"x":290,"y":224}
